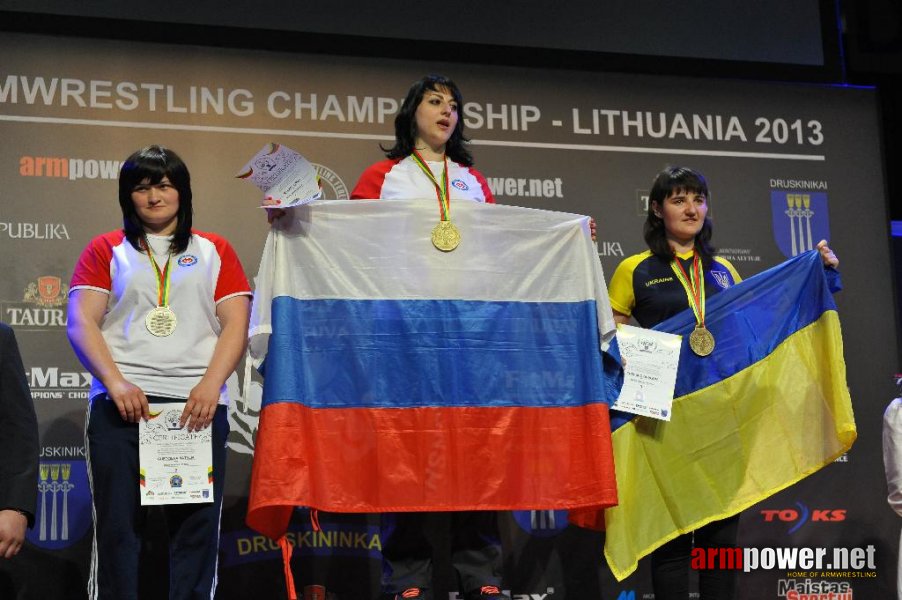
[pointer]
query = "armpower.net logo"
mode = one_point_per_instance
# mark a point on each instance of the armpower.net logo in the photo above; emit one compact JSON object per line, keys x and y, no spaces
{"x":72,"y":169}
{"x":849,"y":562}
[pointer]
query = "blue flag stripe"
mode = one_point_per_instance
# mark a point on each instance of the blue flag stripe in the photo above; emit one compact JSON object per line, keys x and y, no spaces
{"x":393,"y":353}
{"x":751,"y":319}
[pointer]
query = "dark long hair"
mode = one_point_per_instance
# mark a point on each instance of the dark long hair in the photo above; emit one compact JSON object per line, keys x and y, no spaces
{"x":152,"y":164}
{"x":406,"y":122}
{"x":667,"y":182}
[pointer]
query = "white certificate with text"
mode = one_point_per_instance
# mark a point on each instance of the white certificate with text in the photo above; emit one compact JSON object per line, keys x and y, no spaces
{"x":176,"y":465}
{"x":649,"y":375}
{"x":283,"y":174}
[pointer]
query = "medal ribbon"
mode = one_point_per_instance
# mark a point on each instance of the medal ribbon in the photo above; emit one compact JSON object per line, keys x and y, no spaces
{"x":162,"y":276}
{"x":441,"y":190}
{"x":694,"y":284}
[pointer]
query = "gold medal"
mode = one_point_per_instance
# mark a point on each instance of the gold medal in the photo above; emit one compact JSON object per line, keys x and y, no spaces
{"x":445,"y":236}
{"x":160,"y":321}
{"x":701,"y":341}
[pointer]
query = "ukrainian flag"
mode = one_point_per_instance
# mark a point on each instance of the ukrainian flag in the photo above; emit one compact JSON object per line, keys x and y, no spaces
{"x":769,"y":407}
{"x":402,"y":378}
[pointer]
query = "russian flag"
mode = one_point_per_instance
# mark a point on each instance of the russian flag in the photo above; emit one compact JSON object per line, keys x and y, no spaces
{"x":767,"y":408}
{"x":401,"y":378}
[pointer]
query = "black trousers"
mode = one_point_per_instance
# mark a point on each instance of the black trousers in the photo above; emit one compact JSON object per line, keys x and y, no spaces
{"x":121,"y":520}
{"x":671,"y":562}
{"x":407,"y":550}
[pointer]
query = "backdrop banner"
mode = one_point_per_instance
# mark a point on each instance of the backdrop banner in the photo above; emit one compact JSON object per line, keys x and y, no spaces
{"x":787,"y":166}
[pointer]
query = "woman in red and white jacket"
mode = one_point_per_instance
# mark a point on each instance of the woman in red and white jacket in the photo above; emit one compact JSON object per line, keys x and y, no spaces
{"x":158,"y":312}
{"x":429,"y":134}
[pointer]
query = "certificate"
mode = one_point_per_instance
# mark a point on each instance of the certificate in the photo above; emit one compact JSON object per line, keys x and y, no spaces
{"x":286,"y":176}
{"x":176,"y":465}
{"x":649,"y":375}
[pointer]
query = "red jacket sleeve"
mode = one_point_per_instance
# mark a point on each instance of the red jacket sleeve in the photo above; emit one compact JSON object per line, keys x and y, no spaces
{"x":369,"y":186}
{"x":486,"y":190}
{"x":231,"y":280}
{"x":93,"y":266}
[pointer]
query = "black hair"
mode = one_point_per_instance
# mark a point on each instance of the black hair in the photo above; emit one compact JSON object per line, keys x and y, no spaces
{"x":669,"y":181}
{"x":406,"y":123}
{"x":151,"y":164}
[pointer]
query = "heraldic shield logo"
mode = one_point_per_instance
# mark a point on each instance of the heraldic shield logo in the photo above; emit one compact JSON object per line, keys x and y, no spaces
{"x":541,"y":523}
{"x":64,"y":505}
{"x":801,"y":220}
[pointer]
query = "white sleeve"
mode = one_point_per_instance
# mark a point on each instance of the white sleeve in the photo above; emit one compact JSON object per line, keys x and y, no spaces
{"x":892,"y":453}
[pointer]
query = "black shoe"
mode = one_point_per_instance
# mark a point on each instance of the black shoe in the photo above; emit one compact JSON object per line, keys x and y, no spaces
{"x":411,"y":594}
{"x":489,"y":592}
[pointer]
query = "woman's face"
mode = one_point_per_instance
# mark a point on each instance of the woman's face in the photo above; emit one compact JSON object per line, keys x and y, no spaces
{"x":436,"y":119}
{"x":157,"y":205}
{"x":683,"y":213}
